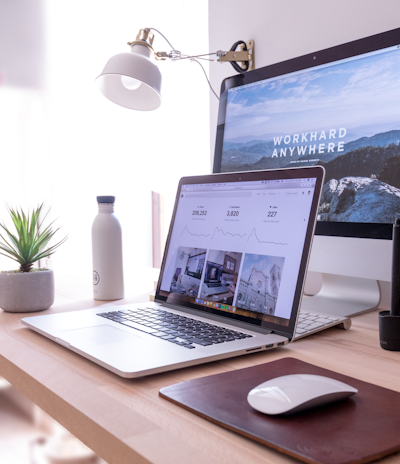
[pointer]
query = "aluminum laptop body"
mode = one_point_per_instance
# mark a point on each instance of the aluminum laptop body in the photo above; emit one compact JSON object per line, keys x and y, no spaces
{"x":249,"y":236}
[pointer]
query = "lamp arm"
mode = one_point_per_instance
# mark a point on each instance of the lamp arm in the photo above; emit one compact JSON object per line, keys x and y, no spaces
{"x":245,"y":55}
{"x":177,"y":55}
{"x":164,"y":55}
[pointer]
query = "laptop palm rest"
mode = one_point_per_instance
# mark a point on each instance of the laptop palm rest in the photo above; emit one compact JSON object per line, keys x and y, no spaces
{"x":97,"y":335}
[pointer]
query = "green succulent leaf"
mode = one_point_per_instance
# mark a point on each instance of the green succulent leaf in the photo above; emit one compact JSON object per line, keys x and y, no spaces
{"x":30,"y":243}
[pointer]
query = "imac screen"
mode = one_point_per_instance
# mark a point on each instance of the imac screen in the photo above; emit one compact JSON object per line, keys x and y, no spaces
{"x":339,"y":108}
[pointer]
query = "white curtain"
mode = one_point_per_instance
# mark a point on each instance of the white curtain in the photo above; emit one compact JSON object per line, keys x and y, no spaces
{"x":64,"y":144}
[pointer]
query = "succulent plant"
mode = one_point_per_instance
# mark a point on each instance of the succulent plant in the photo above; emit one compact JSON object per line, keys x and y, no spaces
{"x":30,"y":242}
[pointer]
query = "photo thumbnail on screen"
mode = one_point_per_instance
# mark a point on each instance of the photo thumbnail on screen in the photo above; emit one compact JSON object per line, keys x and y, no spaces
{"x":220,"y":276}
{"x":259,"y":283}
{"x":188,"y":271}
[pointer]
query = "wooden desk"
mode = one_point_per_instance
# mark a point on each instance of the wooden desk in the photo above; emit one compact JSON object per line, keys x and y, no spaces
{"x":126,"y":422}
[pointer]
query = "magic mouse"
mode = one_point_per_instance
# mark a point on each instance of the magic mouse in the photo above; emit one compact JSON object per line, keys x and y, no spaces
{"x":293,"y":393}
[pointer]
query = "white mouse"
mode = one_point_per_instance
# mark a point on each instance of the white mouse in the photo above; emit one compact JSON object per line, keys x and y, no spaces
{"x":293,"y":393}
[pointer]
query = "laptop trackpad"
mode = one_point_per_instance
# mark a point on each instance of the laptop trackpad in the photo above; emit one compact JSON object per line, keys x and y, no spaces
{"x":97,"y":335}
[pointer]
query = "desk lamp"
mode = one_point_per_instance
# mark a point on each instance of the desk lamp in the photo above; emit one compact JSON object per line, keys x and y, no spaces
{"x":133,"y":79}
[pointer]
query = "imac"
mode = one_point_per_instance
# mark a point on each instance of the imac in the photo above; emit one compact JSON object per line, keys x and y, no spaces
{"x":339,"y":108}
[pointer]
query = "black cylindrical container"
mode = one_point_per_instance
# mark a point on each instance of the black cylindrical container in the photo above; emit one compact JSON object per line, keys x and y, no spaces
{"x":389,"y":321}
{"x":395,"y":304}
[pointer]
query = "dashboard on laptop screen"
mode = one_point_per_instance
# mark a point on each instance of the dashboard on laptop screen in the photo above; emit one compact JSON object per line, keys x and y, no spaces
{"x":235,"y":248}
{"x":338,"y":108}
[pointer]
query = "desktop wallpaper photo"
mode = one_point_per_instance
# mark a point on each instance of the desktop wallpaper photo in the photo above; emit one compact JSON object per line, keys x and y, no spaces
{"x":344,"y":116}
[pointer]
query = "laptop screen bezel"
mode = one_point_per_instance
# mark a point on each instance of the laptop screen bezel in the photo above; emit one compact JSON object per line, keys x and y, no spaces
{"x":316,"y":172}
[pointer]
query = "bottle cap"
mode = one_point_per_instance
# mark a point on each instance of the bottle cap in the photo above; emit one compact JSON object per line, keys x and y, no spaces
{"x":105,"y":199}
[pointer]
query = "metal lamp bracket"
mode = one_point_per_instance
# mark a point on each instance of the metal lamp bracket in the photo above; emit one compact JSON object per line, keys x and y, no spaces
{"x":144,"y":37}
{"x":161,"y":55}
{"x":239,"y":56}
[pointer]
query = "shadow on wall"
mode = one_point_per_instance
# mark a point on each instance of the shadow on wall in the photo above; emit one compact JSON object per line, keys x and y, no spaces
{"x":22,"y":43}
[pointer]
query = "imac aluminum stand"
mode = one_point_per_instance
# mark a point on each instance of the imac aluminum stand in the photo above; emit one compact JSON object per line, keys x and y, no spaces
{"x":344,"y":296}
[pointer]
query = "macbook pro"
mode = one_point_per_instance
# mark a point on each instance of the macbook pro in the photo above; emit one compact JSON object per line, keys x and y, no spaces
{"x":230,"y":283}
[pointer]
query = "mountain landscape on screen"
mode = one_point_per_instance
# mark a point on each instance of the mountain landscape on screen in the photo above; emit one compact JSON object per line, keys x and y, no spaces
{"x":361,"y":183}
{"x":344,"y":116}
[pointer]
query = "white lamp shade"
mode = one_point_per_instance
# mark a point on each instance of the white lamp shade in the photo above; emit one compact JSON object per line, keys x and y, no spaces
{"x":135,"y":65}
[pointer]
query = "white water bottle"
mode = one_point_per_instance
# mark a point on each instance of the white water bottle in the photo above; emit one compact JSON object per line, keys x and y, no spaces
{"x":108,"y":276}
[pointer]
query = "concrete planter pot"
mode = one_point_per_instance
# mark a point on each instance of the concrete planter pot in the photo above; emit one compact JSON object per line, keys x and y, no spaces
{"x":27,"y":291}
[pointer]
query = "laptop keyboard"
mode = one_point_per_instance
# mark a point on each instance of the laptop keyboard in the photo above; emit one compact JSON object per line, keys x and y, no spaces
{"x":174,"y":328}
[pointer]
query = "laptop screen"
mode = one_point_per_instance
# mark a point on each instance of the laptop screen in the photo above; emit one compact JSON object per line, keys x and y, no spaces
{"x":237,"y":242}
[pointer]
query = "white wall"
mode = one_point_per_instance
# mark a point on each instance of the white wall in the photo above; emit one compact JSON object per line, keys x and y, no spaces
{"x":22,"y":58}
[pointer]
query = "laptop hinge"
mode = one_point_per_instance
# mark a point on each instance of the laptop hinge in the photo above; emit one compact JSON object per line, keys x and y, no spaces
{"x":283,"y":334}
{"x":216,"y":318}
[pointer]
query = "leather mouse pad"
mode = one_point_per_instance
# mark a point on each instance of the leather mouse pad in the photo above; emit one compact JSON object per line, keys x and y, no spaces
{"x":360,"y":429}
